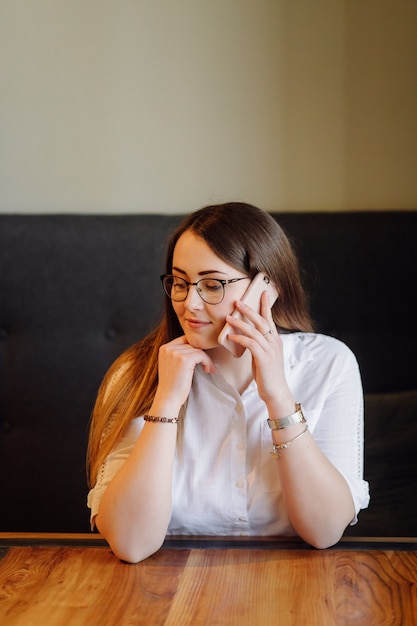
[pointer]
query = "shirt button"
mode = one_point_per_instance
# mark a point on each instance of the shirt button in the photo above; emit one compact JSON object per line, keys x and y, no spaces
{"x":239,"y":483}
{"x":240,"y":447}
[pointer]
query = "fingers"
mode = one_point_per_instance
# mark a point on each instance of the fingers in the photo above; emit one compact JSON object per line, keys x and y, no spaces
{"x":258,"y":333}
{"x":181,"y":355}
{"x":176,"y":365}
{"x":263,"y":322}
{"x":266,"y":310}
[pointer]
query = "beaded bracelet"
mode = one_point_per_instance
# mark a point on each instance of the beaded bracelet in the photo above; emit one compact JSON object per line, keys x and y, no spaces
{"x":282,"y":446}
{"x":164,"y":420}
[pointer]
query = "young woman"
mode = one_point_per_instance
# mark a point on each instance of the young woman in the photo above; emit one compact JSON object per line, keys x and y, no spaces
{"x":188,"y":439}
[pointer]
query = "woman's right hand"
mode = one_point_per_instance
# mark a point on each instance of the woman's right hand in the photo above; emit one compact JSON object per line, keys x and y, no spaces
{"x":136,"y":506}
{"x":177,"y":362}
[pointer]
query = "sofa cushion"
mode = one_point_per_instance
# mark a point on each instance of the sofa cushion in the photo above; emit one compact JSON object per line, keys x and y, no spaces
{"x":390,"y":465}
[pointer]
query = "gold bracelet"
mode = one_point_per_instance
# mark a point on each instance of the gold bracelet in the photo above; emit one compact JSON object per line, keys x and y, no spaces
{"x":164,"y":420}
{"x":282,"y":446}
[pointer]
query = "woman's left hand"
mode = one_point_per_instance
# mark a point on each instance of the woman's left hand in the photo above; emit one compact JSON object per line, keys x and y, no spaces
{"x":258,"y":333}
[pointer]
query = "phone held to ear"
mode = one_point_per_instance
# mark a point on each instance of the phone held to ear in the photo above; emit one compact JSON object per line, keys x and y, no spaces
{"x":251,"y":297}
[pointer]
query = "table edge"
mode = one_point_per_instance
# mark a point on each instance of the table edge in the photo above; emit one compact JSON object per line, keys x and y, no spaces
{"x":8,"y":539}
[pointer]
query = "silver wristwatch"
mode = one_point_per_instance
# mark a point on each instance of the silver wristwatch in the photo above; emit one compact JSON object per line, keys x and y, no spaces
{"x":294,"y":418}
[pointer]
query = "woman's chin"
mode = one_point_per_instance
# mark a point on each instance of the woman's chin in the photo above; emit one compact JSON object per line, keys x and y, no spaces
{"x":201,"y":343}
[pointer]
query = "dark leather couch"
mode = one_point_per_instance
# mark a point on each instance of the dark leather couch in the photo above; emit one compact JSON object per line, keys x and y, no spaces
{"x":77,"y":290}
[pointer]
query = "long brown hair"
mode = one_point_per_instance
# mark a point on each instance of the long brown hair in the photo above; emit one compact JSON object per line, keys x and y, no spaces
{"x":248,"y":239}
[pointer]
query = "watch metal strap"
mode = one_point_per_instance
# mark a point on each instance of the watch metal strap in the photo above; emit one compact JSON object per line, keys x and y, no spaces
{"x":294,"y":418}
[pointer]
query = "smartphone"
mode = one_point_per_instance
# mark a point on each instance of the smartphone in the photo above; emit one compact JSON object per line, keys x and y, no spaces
{"x":251,"y":297}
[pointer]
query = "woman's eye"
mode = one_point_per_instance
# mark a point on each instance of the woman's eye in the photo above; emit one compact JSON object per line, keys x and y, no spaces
{"x":212,"y":285}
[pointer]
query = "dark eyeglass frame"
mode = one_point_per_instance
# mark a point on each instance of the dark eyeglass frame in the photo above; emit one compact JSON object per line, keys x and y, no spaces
{"x":221,"y":281}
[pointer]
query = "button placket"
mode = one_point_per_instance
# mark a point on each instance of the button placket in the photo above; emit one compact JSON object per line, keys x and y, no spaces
{"x":239,"y":482}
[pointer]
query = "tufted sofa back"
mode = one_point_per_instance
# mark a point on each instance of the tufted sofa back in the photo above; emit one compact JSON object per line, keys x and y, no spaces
{"x":75,"y":291}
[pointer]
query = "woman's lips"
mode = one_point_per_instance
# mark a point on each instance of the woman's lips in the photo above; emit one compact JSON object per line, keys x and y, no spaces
{"x":196,"y":324}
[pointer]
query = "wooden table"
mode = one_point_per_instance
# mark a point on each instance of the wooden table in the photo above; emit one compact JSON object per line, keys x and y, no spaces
{"x":75,"y":580}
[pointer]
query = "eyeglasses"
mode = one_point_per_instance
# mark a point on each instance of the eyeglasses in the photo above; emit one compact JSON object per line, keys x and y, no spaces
{"x":211,"y":290}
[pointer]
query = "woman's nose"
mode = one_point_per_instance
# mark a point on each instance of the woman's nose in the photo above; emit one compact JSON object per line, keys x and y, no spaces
{"x":193,"y":299}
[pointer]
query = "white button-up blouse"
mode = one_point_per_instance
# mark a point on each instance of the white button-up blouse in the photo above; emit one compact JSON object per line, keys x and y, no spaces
{"x":226,"y":481}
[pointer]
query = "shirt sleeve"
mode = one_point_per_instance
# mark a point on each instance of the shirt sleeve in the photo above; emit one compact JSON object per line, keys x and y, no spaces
{"x":112,"y":465}
{"x":339,"y":431}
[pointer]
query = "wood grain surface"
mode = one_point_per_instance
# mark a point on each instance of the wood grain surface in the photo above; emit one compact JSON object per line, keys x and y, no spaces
{"x":77,"y":586}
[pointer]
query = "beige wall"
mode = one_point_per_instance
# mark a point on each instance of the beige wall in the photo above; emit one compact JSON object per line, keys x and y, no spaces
{"x":165,"y":105}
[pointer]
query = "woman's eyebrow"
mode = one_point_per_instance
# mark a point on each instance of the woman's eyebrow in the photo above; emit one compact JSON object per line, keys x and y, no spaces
{"x":203,"y":273}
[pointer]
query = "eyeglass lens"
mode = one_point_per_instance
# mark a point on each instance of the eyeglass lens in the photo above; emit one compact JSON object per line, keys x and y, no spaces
{"x":211,"y":290}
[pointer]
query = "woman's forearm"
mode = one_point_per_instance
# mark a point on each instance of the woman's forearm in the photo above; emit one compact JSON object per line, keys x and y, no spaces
{"x":317,"y":497}
{"x":135,"y":509}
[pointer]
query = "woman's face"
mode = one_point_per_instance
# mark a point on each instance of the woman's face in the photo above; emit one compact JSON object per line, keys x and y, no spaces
{"x":201,"y":322}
